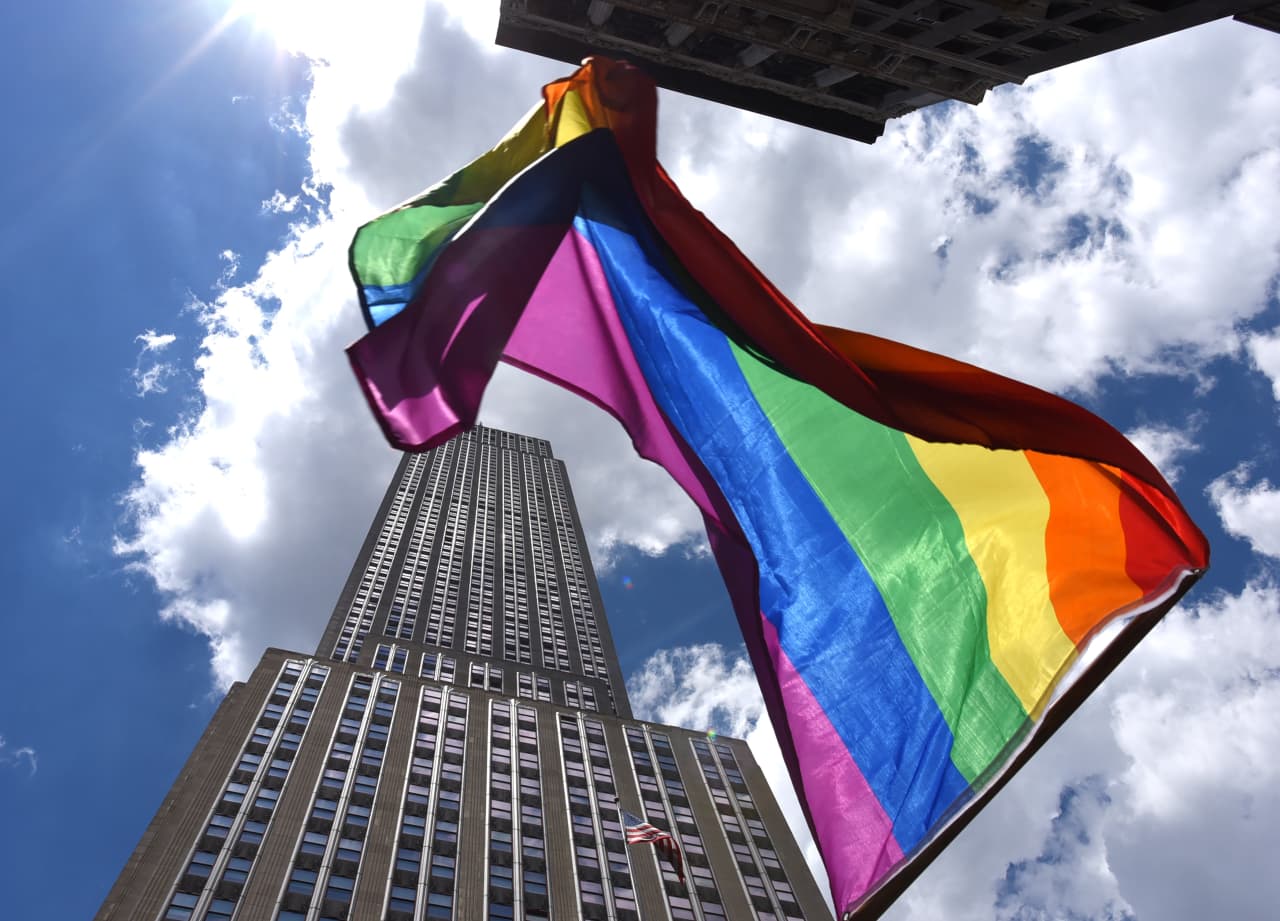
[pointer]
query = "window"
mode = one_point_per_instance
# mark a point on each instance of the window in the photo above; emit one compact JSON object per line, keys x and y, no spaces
{"x":324,"y":810}
{"x":219,"y":826}
{"x":339,"y":889}
{"x":439,"y":905}
{"x":221,"y":910}
{"x":302,"y":882}
{"x":349,"y":849}
{"x":181,"y":906}
{"x":500,"y":878}
{"x":402,"y":899}
{"x":313,"y":842}
{"x":442,"y":866}
{"x":237,"y":870}
{"x":202,"y":864}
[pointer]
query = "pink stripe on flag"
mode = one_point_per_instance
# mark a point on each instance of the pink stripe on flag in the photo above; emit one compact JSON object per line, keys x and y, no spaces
{"x":855,"y":835}
{"x":570,"y":334}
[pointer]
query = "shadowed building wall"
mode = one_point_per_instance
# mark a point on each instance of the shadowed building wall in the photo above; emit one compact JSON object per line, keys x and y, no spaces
{"x":846,"y":66}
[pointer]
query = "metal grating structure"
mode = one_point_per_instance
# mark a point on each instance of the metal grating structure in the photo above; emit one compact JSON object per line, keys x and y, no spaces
{"x":846,"y":66}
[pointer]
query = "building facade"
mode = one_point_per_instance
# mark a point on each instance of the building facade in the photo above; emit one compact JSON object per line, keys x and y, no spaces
{"x":844,"y":66}
{"x":460,"y":745}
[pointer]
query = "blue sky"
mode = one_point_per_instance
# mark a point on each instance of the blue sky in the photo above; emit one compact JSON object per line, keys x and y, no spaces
{"x":191,"y":469}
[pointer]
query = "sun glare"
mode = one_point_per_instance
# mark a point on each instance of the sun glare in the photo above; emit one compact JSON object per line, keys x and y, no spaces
{"x":295,"y":25}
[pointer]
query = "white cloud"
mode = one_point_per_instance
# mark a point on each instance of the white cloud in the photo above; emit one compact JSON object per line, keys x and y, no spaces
{"x":225,"y":513}
{"x":248,"y":515}
{"x":1157,"y":800}
{"x":1248,"y":511}
{"x":1165,"y":445}
{"x":279,"y":203}
{"x":23,"y":756}
{"x":1128,"y":257}
{"x":697,"y":687}
{"x":1264,"y":350}
{"x":155,"y":342}
{"x":153,"y":377}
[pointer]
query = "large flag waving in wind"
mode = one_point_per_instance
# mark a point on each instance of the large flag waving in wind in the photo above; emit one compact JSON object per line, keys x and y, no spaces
{"x":918,"y":551}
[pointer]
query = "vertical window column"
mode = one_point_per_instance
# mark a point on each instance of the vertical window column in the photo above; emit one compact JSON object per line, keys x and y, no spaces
{"x":590,"y":648}
{"x":374,"y":580}
{"x":515,"y":589}
{"x":443,"y":828}
{"x":415,"y":861}
{"x":226,"y":851}
{"x":762,"y":872}
{"x":555,"y":646}
{"x":448,"y":567}
{"x":502,"y":822}
{"x":483,"y":549}
{"x":326,"y":864}
{"x":601,"y":860}
{"x":403,"y":615}
{"x":666,"y":805}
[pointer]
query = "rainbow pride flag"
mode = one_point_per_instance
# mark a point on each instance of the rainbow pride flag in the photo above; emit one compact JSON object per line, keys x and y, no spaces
{"x":917,"y":551}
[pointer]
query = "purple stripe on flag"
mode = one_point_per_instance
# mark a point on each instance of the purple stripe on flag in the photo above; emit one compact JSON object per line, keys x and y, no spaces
{"x":855,"y":834}
{"x":425,"y":369}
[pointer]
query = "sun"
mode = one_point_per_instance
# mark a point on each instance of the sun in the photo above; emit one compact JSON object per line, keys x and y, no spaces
{"x":296,"y":26}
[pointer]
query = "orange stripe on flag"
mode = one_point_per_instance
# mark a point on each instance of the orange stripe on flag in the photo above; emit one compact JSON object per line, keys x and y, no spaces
{"x":1085,"y":547}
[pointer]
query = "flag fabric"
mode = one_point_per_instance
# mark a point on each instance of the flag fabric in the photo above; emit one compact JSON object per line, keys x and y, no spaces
{"x":918,"y":551}
{"x":639,"y":831}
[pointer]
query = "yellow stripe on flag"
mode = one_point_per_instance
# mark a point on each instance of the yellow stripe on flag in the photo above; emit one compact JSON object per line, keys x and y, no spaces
{"x":1004,"y":512}
{"x":572,"y":121}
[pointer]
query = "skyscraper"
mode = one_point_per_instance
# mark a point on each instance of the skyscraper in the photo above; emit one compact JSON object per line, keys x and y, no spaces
{"x":460,"y":745}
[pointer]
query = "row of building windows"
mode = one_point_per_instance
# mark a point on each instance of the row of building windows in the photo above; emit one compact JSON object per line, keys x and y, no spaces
{"x":326,"y":864}
{"x":486,"y":676}
{"x":479,"y":640}
{"x":601,"y":859}
{"x":666,"y":805}
{"x":373,"y":580}
{"x":555,"y":644}
{"x":517,"y":867}
{"x":762,"y":874}
{"x":402,"y":618}
{"x":590,"y":648}
{"x":443,"y":611}
{"x":510,"y":441}
{"x":219,"y":865}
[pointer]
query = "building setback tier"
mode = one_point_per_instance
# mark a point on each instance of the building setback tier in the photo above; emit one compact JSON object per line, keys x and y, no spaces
{"x":476,"y":555}
{"x":329,"y":790}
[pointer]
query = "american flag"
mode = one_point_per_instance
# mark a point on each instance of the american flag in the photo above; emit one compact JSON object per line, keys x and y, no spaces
{"x":639,"y":831}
